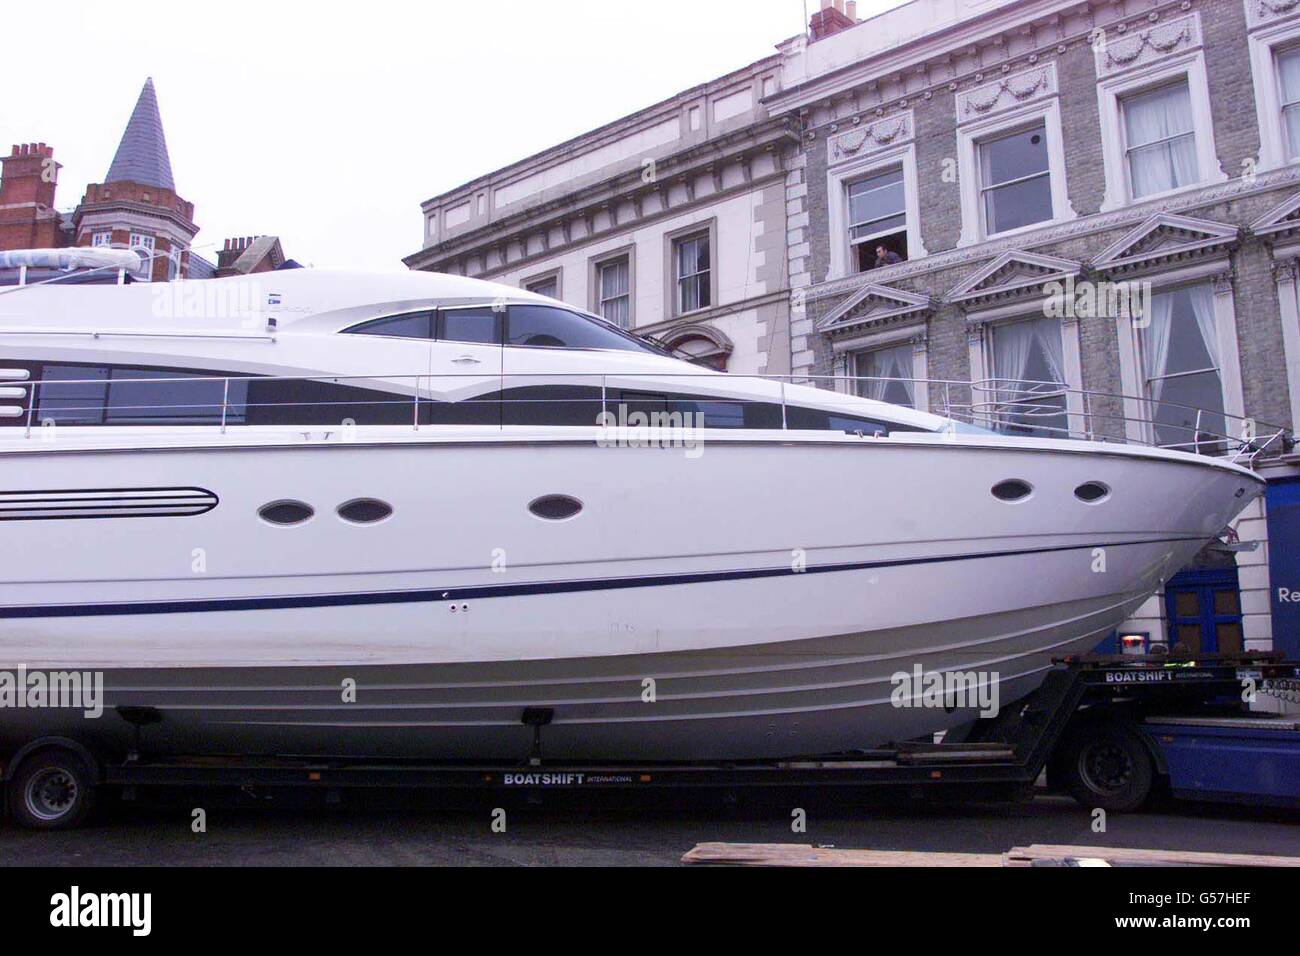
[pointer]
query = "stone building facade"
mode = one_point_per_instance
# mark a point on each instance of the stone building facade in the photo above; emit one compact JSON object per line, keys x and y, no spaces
{"x":946,"y":180}
{"x":671,"y":221}
{"x":1215,"y":224}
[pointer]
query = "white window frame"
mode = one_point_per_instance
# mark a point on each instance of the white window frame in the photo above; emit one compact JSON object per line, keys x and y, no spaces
{"x":969,"y":137}
{"x":624,"y":259}
{"x":848,"y":218}
{"x":140,"y":241}
{"x":846,"y":350}
{"x":1132,"y":371}
{"x":979,"y":341}
{"x":1264,"y":45}
{"x":838,"y":180}
{"x":855,"y":359}
{"x":98,"y":239}
{"x":708,"y":274}
{"x":555,"y":276}
{"x":1189,"y":67}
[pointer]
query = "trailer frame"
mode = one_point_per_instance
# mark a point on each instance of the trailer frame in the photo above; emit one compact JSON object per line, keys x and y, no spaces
{"x":1003,"y":756}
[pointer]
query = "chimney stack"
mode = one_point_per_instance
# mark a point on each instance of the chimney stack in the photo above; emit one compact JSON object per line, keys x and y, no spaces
{"x":831,"y":19}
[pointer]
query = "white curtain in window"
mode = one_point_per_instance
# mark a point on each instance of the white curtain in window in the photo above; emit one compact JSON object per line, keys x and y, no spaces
{"x":1155,"y":342}
{"x":1012,"y":346}
{"x":1202,"y":297}
{"x":1288,"y":74}
{"x":1161,"y":157}
{"x":883,"y":364}
{"x":615,"y":302}
{"x":1048,"y":333}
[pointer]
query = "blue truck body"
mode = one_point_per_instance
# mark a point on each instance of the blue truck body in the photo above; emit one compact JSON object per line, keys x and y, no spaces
{"x":1246,"y":759}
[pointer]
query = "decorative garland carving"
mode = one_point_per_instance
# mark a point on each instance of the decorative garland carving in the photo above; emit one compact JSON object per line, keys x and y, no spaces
{"x":873,"y":136}
{"x":1143,"y":46}
{"x":1008,"y":91}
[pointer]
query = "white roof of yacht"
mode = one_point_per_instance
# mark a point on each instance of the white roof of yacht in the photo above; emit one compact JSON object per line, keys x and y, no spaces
{"x":227,"y":304}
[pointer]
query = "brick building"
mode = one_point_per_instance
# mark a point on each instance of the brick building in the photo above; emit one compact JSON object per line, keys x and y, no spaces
{"x":945,"y":178}
{"x":136,"y":207}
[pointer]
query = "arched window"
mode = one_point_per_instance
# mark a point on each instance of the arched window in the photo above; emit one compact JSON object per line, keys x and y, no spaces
{"x":701,"y":344}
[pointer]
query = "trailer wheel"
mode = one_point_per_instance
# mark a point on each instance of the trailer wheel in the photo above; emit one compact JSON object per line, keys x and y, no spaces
{"x":1107,"y":766}
{"x":52,"y":790}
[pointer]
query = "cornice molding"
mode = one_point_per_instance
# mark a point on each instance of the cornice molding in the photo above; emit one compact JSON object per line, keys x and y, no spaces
{"x":700,"y":160}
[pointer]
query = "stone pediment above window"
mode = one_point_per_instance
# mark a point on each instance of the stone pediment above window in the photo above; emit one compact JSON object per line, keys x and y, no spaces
{"x":1012,"y":274}
{"x":1165,"y":238}
{"x":875,"y":305}
{"x":1281,"y":220}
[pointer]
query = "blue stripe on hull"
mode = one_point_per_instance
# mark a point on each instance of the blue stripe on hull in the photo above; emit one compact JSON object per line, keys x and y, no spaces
{"x":510,"y":590}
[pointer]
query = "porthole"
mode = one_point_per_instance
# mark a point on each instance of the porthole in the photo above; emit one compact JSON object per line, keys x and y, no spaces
{"x":286,"y":512}
{"x":365,"y":511}
{"x":1011,"y":490}
{"x":1092,"y":492}
{"x":555,"y":507}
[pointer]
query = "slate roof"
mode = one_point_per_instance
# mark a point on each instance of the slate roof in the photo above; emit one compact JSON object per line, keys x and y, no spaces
{"x":142,"y":155}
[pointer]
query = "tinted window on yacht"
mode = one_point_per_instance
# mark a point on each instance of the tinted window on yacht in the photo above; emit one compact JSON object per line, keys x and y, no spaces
{"x":123,"y":395}
{"x":72,"y":394}
{"x":481,"y":326}
{"x":414,"y":325}
{"x":106,"y":395}
{"x":551,"y":405}
{"x":298,"y":402}
{"x":542,"y":326}
{"x":714,"y":412}
{"x":160,"y":397}
{"x":814,"y":419}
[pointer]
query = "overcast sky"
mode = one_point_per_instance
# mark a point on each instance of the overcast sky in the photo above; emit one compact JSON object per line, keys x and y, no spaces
{"x":327,"y":124}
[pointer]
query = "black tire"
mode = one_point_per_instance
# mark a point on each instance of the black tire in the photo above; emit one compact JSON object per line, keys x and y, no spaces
{"x":52,"y":790}
{"x":1107,"y":765}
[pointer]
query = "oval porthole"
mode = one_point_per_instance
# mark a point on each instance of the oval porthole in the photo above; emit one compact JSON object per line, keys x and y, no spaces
{"x":286,"y":512}
{"x":365,"y":511}
{"x":1091,"y":492}
{"x":1011,"y":490}
{"x":555,"y":507}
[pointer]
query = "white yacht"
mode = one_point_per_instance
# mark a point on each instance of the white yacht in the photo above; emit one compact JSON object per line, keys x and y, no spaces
{"x":314,"y":512}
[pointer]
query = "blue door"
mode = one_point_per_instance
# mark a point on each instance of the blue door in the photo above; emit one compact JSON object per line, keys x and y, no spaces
{"x":1203,"y":608}
{"x":1284,"y":564}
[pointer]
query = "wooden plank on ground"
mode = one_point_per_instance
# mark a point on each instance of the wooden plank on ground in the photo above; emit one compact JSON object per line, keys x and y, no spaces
{"x":1126,"y":856}
{"x":792,"y":854}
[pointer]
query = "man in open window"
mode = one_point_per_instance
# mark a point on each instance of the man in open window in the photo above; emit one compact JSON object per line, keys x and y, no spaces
{"x":886,"y":257}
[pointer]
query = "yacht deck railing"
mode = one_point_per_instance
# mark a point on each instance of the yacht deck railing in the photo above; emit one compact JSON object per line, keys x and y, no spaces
{"x":1045,"y":409}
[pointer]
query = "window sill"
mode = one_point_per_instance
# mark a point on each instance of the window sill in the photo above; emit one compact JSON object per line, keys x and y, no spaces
{"x":1130,"y":203}
{"x":1018,"y":231}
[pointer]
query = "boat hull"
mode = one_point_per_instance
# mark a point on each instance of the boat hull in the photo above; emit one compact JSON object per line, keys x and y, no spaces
{"x":699,"y":632}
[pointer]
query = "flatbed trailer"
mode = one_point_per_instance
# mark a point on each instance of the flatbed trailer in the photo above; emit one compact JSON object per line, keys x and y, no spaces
{"x":1102,"y":727}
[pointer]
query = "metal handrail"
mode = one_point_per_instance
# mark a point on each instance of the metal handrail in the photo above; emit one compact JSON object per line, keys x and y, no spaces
{"x":997,"y":404}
